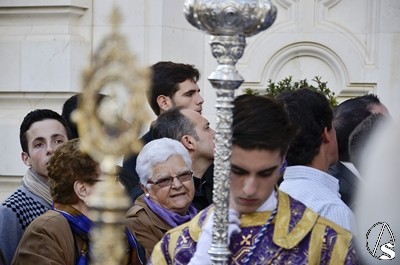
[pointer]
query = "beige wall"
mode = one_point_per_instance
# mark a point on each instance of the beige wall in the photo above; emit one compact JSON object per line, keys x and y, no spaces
{"x":45,"y":44}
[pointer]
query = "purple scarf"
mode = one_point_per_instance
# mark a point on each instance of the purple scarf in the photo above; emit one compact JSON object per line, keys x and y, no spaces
{"x":171,"y":218}
{"x":79,"y":224}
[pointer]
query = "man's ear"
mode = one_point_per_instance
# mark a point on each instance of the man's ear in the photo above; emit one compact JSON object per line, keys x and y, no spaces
{"x":80,"y":190}
{"x":26,"y":159}
{"x":326,"y":135}
{"x":189,"y":142}
{"x":164,"y":102}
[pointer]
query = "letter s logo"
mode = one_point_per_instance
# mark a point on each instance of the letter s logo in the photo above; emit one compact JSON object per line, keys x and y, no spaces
{"x":382,"y":232}
{"x":388,"y":251}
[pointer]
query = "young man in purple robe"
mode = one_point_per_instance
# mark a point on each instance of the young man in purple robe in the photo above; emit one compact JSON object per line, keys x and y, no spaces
{"x":266,"y":226}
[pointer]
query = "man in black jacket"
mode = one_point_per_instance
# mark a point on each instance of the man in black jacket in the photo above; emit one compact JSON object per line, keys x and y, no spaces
{"x":194,"y":132}
{"x":346,"y":117}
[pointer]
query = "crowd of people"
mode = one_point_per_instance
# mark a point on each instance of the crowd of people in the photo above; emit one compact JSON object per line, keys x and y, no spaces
{"x":296,"y":167}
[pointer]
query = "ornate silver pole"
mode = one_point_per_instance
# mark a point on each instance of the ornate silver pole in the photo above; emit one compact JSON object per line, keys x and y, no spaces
{"x":108,"y":130}
{"x":229,"y":21}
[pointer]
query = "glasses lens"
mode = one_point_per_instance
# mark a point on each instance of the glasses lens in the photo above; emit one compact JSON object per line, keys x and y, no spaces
{"x":185,"y":176}
{"x":164,"y":182}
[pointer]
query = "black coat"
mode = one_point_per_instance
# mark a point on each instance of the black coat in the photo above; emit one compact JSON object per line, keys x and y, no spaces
{"x":348,"y":183}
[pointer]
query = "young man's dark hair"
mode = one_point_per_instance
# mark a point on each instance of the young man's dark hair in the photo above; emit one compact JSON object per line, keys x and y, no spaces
{"x":69,"y":106}
{"x":347,"y":116}
{"x":253,"y":130}
{"x":309,"y":121}
{"x":166,"y":79}
{"x":35,"y":116}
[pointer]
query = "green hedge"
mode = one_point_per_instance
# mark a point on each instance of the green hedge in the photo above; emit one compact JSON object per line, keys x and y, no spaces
{"x":287,"y":84}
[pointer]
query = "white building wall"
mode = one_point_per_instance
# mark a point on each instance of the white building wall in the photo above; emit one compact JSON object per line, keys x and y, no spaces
{"x":45,"y":45}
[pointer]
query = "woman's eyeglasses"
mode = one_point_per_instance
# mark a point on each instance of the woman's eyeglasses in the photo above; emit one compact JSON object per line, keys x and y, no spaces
{"x":167,"y":181}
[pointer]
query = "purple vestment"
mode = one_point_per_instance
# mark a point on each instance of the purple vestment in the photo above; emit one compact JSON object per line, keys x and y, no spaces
{"x":296,"y":236}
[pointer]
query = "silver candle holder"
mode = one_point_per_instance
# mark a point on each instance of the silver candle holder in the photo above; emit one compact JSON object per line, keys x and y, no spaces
{"x":229,"y":22}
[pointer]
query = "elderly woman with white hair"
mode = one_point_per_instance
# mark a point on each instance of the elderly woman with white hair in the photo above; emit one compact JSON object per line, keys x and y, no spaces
{"x":164,"y":169}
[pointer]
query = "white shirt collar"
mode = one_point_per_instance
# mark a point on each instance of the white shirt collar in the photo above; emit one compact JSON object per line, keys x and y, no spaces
{"x":352,"y":168}
{"x":270,"y":204}
{"x":313,"y":174}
